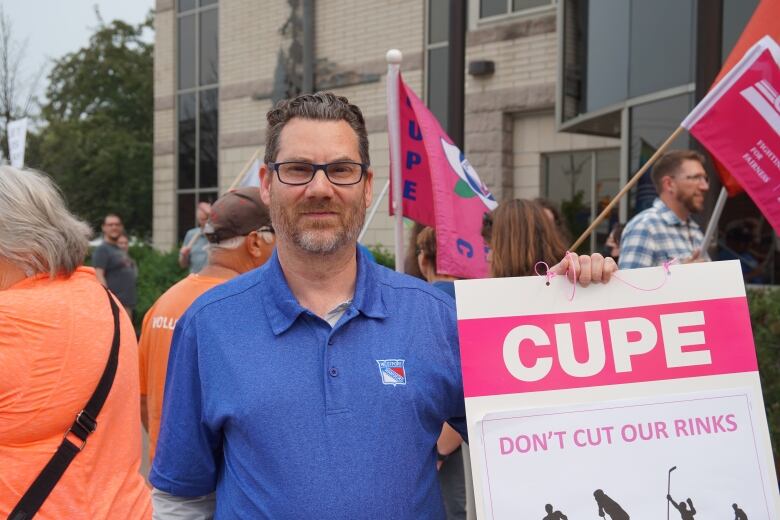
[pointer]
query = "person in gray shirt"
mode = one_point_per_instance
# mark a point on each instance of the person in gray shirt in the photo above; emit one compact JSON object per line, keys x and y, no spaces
{"x":193,"y":251}
{"x":113,"y":266}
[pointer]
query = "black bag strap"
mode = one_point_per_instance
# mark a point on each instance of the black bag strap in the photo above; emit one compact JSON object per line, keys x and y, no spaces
{"x":84,"y":425}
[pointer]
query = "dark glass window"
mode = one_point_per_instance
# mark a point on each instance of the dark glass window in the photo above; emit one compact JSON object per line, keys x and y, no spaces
{"x":497,"y":7}
{"x":662,"y":35}
{"x":607,"y":62}
{"x":438,"y":21}
{"x":209,"y":137}
{"x":438,"y":83}
{"x":492,"y":7}
{"x":187,"y":151}
{"x":186,"y":51}
{"x":736,"y":14}
{"x":520,"y":5}
{"x":198,"y":108}
{"x":185,"y":5}
{"x":209,"y":55}
{"x":650,"y":125}
{"x":185,"y":211}
{"x":581,"y":184}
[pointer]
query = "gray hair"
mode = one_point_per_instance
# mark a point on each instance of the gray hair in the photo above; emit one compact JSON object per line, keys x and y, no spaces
{"x":322,"y":106}
{"x":37,"y":232}
{"x":231,"y":244}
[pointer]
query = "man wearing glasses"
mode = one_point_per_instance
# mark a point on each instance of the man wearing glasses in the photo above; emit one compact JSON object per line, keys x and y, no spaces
{"x":666,"y":230}
{"x":317,"y":385}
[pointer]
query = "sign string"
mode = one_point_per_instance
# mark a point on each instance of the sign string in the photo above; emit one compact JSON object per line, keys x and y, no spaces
{"x":548,"y":274}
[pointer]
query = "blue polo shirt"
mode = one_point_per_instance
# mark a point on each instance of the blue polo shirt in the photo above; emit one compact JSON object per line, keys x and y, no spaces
{"x":286,"y":417}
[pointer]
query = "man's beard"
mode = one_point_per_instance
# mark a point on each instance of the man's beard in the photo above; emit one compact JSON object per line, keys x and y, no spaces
{"x":319,"y":237}
{"x":691,"y":205}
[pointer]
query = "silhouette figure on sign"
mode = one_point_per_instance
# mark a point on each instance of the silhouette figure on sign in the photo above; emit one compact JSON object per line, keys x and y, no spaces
{"x":553,"y":515}
{"x":686,"y":511}
{"x":607,"y":506}
{"x":738,"y":513}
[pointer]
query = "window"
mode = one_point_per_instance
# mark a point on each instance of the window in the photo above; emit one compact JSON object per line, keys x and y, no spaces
{"x":651,"y":124}
{"x":437,"y":58}
{"x":619,"y":50}
{"x":581,"y":184}
{"x":197,"y":108}
{"x":498,"y":7}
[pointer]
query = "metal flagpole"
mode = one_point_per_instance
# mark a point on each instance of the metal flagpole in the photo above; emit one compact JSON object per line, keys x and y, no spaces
{"x":394,"y":58}
{"x":712,"y":225}
{"x":371,"y":213}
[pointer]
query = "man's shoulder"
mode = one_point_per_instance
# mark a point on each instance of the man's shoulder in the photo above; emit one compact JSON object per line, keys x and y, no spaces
{"x":102,"y":253}
{"x":250,"y":282}
{"x":182,"y":293}
{"x":403,"y":283}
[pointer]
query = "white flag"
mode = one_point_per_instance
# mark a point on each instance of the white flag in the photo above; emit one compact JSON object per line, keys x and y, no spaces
{"x":251,"y":178}
{"x":17,"y":139}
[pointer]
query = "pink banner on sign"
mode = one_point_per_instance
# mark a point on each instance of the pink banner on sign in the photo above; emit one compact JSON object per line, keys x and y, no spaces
{"x":608,"y":347}
{"x":742,"y":131}
{"x":442,"y":190}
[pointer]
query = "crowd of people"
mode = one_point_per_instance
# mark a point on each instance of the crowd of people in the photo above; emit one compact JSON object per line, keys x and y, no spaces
{"x":257,"y":373}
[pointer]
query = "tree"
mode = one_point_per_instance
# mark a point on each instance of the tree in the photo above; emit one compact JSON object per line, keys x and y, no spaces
{"x":97,"y":142}
{"x":17,"y":94}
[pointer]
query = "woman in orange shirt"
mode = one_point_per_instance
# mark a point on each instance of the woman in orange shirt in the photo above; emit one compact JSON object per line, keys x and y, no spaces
{"x":56,"y":330}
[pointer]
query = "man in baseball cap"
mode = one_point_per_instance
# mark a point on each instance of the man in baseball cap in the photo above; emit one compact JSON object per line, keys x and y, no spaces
{"x":240,"y":238}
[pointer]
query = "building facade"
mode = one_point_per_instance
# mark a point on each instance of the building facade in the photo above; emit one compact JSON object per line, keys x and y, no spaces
{"x":566,"y":99}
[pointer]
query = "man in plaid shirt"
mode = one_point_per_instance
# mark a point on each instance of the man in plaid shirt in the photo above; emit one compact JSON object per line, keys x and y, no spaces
{"x":666,"y":230}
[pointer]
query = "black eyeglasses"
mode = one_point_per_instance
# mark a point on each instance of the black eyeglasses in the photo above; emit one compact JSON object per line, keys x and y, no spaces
{"x":343,"y":173}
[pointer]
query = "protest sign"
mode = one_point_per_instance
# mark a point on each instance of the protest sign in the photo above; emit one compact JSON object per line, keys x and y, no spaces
{"x":610,"y":401}
{"x":17,"y":140}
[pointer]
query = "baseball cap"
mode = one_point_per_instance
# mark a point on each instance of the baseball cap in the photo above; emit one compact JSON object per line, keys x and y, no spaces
{"x":236,"y":214}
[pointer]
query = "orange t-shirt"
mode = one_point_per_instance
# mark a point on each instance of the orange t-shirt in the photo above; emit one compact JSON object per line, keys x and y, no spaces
{"x":55,"y":337}
{"x":155,"y":344}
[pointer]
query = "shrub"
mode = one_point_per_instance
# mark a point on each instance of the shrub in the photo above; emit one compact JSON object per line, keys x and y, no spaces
{"x":765,"y":320}
{"x":382,"y":255}
{"x":157,"y":272}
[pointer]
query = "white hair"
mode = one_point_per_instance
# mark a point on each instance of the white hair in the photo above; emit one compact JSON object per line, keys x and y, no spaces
{"x":228,"y":244}
{"x":231,"y":244}
{"x":37,"y":232}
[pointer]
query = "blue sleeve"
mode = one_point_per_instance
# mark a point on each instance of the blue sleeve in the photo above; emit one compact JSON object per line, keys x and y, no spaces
{"x":188,"y":449}
{"x":637,"y":247}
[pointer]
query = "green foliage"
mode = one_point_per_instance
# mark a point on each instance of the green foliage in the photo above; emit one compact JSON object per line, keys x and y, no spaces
{"x":382,"y":255}
{"x":765,"y":319}
{"x":97,"y":138}
{"x":157,"y":272}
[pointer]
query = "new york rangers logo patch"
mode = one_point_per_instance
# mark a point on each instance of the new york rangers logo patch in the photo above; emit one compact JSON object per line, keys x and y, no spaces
{"x":392,"y":371}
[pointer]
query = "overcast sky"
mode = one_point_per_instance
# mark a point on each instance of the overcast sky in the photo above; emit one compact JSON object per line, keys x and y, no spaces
{"x":54,"y":28}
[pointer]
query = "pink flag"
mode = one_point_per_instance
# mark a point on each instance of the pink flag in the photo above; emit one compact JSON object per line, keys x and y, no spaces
{"x":739,"y":123}
{"x":442,"y":190}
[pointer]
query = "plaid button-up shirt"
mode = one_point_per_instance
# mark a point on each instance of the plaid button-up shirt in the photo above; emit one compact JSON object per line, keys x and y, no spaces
{"x":657,"y":235}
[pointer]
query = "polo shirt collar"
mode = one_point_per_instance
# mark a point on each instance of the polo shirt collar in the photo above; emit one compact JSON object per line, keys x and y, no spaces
{"x":282,"y":308}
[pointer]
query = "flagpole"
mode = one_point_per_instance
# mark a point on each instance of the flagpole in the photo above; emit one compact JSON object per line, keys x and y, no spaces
{"x":371,"y":213}
{"x":246,"y":167}
{"x":630,"y":184}
{"x":394,"y":58}
{"x":712,"y":225}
